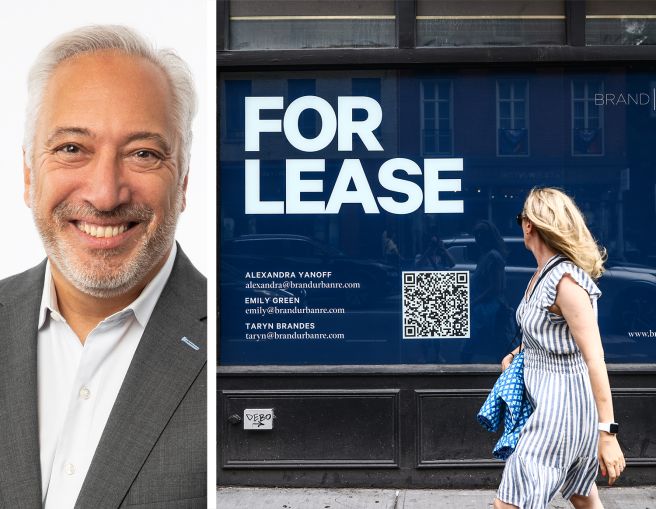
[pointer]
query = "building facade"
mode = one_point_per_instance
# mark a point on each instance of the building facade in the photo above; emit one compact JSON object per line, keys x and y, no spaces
{"x":373,"y":156}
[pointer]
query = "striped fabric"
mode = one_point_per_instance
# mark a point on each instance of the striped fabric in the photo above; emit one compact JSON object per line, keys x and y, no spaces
{"x":557,"y":448}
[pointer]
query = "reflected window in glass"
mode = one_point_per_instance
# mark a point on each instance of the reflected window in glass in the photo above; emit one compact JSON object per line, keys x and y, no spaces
{"x":587,"y":118}
{"x":437,"y":117}
{"x":512,"y":121}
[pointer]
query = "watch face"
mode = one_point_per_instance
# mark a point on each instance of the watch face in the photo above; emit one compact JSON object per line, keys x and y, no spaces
{"x":614,"y":427}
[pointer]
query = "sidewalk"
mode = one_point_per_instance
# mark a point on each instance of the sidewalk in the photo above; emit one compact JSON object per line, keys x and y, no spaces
{"x":643,"y":497}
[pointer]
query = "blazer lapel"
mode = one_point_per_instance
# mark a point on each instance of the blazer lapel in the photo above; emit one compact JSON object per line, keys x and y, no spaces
{"x":160,"y":374}
{"x":20,"y":471}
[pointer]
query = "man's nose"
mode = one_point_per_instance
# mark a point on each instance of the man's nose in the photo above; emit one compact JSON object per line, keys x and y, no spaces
{"x":107,"y":187}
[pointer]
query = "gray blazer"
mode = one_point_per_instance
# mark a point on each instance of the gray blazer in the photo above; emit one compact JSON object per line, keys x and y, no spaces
{"x":153,"y":451}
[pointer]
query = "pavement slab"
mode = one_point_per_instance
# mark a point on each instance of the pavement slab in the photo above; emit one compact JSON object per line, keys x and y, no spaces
{"x":643,"y":497}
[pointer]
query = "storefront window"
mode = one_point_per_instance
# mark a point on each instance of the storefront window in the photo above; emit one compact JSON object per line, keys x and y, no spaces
{"x":347,"y":239}
{"x":613,"y":23}
{"x":490,"y":23}
{"x":294,"y":24}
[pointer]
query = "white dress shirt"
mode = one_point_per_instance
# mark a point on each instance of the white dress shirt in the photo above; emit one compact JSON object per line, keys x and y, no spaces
{"x":78,"y":384}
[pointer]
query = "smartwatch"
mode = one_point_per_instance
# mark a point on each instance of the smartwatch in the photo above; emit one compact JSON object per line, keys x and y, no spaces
{"x":609,"y":427}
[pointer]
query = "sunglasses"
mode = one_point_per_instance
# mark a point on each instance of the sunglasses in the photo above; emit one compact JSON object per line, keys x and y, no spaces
{"x":520,"y":217}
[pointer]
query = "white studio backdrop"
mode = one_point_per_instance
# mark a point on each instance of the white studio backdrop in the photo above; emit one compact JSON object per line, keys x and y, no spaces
{"x":25,"y":28}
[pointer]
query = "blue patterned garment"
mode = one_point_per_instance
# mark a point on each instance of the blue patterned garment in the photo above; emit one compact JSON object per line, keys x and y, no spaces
{"x":508,"y":397}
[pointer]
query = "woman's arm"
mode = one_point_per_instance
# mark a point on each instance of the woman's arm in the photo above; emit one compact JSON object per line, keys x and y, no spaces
{"x":574,"y":304}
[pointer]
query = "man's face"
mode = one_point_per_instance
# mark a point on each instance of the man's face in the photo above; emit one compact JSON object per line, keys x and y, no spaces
{"x":105,"y":187}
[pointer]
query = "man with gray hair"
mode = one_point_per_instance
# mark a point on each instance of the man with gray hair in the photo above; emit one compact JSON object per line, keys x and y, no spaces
{"x":103,"y":345}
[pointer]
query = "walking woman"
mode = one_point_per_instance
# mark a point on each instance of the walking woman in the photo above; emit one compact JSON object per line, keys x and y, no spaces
{"x":571,"y":432}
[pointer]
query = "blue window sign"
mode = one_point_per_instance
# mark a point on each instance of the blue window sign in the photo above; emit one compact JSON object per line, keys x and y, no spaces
{"x":369,"y":217}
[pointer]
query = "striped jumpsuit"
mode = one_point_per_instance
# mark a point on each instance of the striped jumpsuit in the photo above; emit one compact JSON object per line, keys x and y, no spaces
{"x":557,"y":448}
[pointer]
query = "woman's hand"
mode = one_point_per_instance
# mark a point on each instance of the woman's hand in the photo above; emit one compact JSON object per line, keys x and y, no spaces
{"x":505,"y":362}
{"x":611,"y":459}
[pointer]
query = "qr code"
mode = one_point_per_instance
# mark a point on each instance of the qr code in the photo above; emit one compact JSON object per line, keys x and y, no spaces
{"x":436,"y":304}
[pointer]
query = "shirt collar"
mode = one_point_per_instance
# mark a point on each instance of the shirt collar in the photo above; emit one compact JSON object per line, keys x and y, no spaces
{"x":48,"y":297}
{"x":142,"y":306}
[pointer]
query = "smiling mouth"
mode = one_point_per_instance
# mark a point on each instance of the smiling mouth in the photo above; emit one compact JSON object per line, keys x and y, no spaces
{"x":103,"y":231}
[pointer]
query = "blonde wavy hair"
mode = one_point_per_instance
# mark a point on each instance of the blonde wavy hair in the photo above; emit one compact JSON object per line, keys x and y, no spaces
{"x":561,"y":225}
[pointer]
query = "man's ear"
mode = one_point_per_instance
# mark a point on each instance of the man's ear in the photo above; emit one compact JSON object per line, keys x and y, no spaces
{"x":184,"y":192}
{"x":27,"y":180}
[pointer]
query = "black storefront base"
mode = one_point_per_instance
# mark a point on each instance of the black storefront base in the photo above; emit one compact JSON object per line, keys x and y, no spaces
{"x":381,"y":426}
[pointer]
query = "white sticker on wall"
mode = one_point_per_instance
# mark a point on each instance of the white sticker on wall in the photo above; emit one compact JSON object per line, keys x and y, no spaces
{"x":258,"y":418}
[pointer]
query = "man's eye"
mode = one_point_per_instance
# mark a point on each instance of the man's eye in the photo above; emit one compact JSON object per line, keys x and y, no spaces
{"x":146,"y":154}
{"x":69,"y":148}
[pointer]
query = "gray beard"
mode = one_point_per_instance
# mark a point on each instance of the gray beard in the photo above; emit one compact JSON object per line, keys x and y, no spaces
{"x":105,"y":278}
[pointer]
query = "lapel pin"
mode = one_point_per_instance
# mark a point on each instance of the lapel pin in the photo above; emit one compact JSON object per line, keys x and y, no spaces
{"x":190,"y":343}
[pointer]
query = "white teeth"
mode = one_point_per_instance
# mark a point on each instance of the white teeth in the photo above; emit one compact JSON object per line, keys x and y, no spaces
{"x":101,"y":231}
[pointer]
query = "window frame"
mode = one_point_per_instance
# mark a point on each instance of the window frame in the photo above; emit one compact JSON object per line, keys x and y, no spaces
{"x":527,"y":114}
{"x":586,"y":102}
{"x":423,"y":100}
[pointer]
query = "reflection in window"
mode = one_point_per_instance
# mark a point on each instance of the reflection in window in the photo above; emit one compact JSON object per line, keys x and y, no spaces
{"x":367,"y":87}
{"x":237,"y":90}
{"x":512,"y":118}
{"x":490,"y":22}
{"x":295,"y":24}
{"x":626,"y":23}
{"x":307,"y":122}
{"x":436,"y":117}
{"x":587,"y":118}
{"x":619,"y":204}
{"x":293,"y":248}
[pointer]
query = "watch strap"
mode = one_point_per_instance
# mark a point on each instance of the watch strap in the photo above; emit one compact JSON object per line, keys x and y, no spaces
{"x":609,"y":427}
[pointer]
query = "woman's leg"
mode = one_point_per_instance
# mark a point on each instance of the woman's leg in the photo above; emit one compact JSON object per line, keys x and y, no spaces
{"x":592,"y":501}
{"x":498,"y":504}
